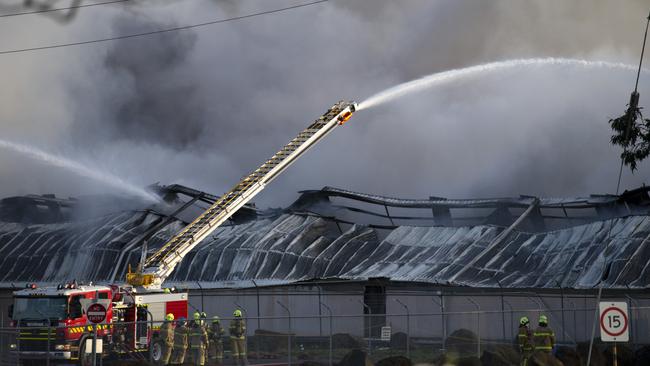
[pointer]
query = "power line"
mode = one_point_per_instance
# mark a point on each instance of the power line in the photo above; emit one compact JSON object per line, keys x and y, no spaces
{"x":61,"y":9}
{"x":167,"y":30}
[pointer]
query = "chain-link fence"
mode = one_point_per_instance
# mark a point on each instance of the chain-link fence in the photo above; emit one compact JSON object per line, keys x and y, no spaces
{"x":420,"y":336}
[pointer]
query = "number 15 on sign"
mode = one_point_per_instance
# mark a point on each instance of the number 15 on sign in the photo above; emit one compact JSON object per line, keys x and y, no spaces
{"x":614,"y":322}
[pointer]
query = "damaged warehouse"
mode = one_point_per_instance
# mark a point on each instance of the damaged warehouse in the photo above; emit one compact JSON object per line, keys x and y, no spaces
{"x":476,"y":264}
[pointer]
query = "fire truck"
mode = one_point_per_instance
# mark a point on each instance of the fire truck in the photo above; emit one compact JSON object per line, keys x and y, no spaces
{"x":52,"y":322}
{"x":53,"y":319}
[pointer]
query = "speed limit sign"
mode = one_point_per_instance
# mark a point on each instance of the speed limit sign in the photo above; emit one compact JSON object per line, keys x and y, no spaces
{"x":614,"y":322}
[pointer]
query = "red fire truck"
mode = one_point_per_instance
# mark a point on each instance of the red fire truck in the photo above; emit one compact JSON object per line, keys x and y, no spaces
{"x":52,"y":322}
{"x":143,"y":299}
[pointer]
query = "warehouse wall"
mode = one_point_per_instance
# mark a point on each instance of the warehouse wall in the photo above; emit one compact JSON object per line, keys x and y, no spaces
{"x":497,"y":319}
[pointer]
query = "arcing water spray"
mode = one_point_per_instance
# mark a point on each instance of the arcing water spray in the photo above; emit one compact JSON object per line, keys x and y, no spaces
{"x":432,"y":80}
{"x":78,"y":168}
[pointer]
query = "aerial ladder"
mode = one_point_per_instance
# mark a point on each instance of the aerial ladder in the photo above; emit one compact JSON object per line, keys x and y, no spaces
{"x":153,"y":271}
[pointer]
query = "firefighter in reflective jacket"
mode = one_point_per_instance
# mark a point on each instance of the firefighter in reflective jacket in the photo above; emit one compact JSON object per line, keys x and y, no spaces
{"x":198,"y":341}
{"x":238,"y":339}
{"x":180,"y":343}
{"x":215,"y":332}
{"x":204,"y":325}
{"x":167,"y":338}
{"x":544,"y":337}
{"x":525,"y":341}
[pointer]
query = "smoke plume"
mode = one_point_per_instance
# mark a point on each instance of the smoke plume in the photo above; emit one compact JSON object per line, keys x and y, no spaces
{"x":203,"y":107}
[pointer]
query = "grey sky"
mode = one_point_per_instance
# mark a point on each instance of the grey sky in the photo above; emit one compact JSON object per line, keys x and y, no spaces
{"x":204,"y":107}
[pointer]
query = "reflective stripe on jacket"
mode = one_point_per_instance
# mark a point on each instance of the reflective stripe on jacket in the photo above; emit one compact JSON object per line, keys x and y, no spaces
{"x":198,"y":337}
{"x":167,"y":333}
{"x":215,"y":332}
{"x":180,"y":338}
{"x":525,"y":339}
{"x":237,"y":329}
{"x":544,"y":339}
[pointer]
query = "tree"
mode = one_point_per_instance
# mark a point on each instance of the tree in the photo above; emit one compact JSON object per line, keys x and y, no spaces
{"x":632,"y":132}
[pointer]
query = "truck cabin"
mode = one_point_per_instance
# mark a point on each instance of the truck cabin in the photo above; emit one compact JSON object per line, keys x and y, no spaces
{"x":53,"y":306}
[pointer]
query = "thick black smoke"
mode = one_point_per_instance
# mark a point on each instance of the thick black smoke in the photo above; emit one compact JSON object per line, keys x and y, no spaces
{"x":203,"y":107}
{"x":158,"y":100}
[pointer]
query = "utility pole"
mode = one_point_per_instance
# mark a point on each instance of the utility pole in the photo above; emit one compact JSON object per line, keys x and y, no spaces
{"x":630,"y":117}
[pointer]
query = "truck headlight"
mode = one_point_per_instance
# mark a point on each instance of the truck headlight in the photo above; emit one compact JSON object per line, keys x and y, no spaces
{"x":62,"y":347}
{"x":12,"y":346}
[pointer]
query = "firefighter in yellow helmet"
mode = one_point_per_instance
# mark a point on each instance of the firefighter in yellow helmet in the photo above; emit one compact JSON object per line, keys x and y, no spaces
{"x":544,"y":337}
{"x":215,"y":333}
{"x":198,"y":341}
{"x":525,"y":341}
{"x":180,"y":343}
{"x":204,"y":325}
{"x":167,"y":339}
{"x":238,"y":338}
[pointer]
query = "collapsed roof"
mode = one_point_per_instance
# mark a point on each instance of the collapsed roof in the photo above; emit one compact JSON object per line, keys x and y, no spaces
{"x":523,"y":242}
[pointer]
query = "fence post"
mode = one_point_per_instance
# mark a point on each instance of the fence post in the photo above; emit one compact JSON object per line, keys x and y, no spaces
{"x":149,"y":327}
{"x":511,"y":327}
{"x":2,"y":333}
{"x":478,"y":325}
{"x":503,"y":311}
{"x":259,"y":318}
{"x":575,"y":321}
{"x":408,"y":329}
{"x":18,"y":344}
{"x":49,"y":333}
{"x":564,"y":333}
{"x":331,"y":332}
{"x":442,"y":316}
{"x":94,"y":345}
{"x":633,"y":339}
{"x":369,"y":326}
{"x":289,"y":333}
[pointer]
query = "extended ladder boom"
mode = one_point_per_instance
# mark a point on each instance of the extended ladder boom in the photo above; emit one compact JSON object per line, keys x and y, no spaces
{"x":162,"y":263}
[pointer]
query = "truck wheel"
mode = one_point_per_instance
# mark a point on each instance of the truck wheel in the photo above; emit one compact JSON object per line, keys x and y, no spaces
{"x":156,"y":350}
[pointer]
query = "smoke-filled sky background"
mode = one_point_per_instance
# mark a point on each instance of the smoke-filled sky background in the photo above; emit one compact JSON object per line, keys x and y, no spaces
{"x":204,"y":107}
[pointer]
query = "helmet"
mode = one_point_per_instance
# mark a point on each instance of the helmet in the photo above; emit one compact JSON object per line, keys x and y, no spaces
{"x":524,"y":320}
{"x":543,"y":319}
{"x":237,"y":313}
{"x":181,"y":321}
{"x":215,"y":319}
{"x":169,"y":317}
{"x":168,"y":291}
{"x":197,"y":315}
{"x":204,"y":315}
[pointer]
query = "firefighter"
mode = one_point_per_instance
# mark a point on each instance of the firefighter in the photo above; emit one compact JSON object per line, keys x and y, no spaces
{"x":167,"y":338}
{"x":204,"y":325}
{"x":215,"y":332}
{"x":544,"y":337}
{"x":189,"y":360}
{"x":238,"y":338}
{"x":180,"y":343}
{"x":198,"y":341}
{"x":525,"y":341}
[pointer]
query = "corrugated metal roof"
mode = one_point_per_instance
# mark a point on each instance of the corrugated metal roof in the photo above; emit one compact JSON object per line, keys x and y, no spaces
{"x":293,"y":247}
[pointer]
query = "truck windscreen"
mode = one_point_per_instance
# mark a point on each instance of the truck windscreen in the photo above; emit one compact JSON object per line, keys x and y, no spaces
{"x":47,"y":307}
